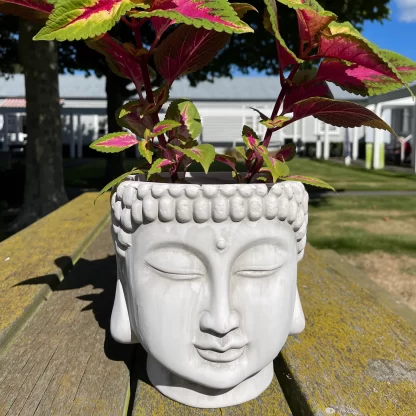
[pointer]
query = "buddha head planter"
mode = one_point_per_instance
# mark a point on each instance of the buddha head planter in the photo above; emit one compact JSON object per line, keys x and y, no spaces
{"x":207,"y":283}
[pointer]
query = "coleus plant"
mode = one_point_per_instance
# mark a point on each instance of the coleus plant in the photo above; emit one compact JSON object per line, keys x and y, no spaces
{"x":188,"y":34}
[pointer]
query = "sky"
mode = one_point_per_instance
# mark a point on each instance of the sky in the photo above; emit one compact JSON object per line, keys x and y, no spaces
{"x":398,"y":34}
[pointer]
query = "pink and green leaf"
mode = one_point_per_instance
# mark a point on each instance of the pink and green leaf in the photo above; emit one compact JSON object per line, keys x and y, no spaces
{"x":404,"y":66}
{"x":145,"y":149}
{"x":286,"y":56}
{"x":312,"y":18}
{"x":364,"y":81}
{"x":121,"y":60}
{"x":186,"y":50}
{"x":83,"y":19}
{"x":286,"y":153}
{"x":204,"y":154}
{"x":308,"y":181}
{"x":338,"y":113}
{"x":114,"y":142}
{"x":161,"y":95}
{"x":347,"y":44}
{"x":185,"y":112}
{"x":216,"y":15}
{"x":37,"y":10}
{"x":158,"y":165}
{"x":303,"y":91}
{"x":227,"y":160}
{"x":275,"y":123}
{"x":275,"y":168}
{"x":250,"y":137}
{"x":164,"y":126}
{"x":131,"y":116}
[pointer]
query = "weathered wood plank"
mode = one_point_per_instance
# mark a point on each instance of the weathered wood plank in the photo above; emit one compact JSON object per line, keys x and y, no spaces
{"x":64,"y":361}
{"x":47,"y":248}
{"x":355,"y":357}
{"x":149,"y":402}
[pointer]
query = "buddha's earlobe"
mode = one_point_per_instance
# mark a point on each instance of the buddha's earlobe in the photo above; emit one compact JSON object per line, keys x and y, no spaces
{"x":298,"y":320}
{"x":120,"y":321}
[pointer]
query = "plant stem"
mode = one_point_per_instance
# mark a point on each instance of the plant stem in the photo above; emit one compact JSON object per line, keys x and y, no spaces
{"x":146,"y":80}
{"x":286,"y":84}
{"x":279,"y":101}
{"x":125,"y":21}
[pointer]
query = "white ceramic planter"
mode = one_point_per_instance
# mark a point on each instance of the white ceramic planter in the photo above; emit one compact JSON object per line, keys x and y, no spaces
{"x":207,"y":283}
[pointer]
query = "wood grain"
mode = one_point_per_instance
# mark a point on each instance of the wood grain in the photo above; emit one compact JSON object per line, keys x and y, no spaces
{"x":64,"y":362}
{"x":48,"y":249}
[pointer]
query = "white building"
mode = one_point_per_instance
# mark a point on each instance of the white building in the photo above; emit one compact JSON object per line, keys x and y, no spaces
{"x":224,"y":107}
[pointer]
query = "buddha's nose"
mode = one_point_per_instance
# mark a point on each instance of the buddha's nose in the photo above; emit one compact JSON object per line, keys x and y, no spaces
{"x":219,"y":320}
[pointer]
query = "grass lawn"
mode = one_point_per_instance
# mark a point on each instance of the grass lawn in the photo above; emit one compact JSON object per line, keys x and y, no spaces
{"x":341,"y":177}
{"x":377,"y":234}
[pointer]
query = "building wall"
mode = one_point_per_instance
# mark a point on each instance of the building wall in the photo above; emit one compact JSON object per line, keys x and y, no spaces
{"x":83,"y":121}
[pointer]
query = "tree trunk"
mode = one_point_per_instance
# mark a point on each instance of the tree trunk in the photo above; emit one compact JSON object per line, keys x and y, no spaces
{"x":44,"y":184}
{"x":115,"y":99}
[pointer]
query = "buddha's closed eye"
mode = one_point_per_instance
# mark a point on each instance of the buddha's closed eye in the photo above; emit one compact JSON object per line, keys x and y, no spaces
{"x":175,"y":263}
{"x":260,"y":261}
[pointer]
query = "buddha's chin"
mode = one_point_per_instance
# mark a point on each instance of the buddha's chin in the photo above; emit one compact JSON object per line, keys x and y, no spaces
{"x":218,"y":376}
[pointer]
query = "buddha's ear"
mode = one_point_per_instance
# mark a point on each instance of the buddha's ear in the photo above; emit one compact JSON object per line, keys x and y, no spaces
{"x":298,"y":320}
{"x":120,"y":321}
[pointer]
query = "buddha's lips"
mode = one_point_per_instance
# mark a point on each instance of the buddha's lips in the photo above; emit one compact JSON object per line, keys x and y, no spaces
{"x":214,"y":346}
{"x":221,"y":357}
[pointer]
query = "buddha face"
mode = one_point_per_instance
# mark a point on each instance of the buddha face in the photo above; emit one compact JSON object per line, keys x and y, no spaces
{"x":213,"y":302}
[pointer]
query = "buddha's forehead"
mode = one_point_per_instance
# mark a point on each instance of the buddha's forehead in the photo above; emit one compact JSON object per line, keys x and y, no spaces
{"x":208,"y":211}
{"x":226,"y":238}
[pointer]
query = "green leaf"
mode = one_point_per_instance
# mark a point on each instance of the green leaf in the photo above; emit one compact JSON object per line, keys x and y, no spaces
{"x":242,"y":151}
{"x":275,"y":167}
{"x":185,"y":112}
{"x":309,"y":181}
{"x":242,"y":8}
{"x":203,"y":154}
{"x":114,"y":142}
{"x":250,"y":137}
{"x":83,"y":19}
{"x":145,"y":150}
{"x":117,"y":180}
{"x":157,"y":166}
{"x":215,"y":15}
{"x":276,"y":122}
